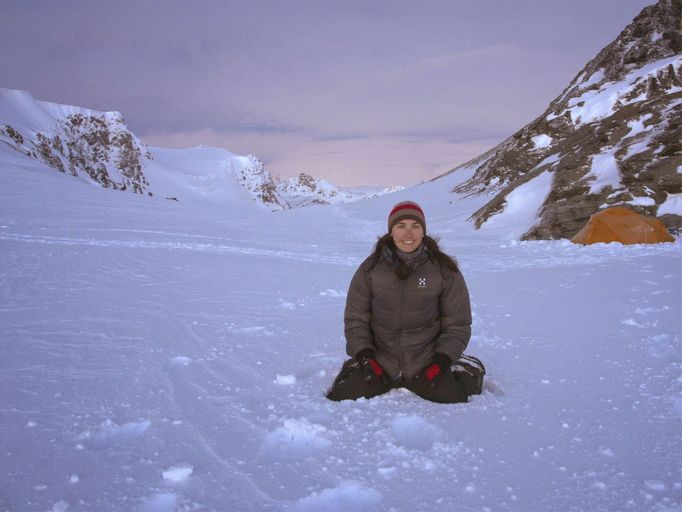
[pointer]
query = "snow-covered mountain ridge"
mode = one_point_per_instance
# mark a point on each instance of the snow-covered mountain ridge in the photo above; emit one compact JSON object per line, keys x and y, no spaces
{"x":612,"y":137}
{"x":304,"y":190}
{"x":98,"y":147}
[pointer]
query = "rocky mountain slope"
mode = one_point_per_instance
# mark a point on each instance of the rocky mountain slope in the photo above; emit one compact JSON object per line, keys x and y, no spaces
{"x":73,"y":140}
{"x":614,"y":136}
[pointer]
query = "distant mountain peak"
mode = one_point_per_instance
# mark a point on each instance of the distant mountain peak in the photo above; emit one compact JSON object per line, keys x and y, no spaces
{"x":654,"y":34}
{"x":304,"y":190}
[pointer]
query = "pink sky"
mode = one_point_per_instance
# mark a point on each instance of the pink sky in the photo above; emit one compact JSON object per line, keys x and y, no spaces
{"x":357,"y":92}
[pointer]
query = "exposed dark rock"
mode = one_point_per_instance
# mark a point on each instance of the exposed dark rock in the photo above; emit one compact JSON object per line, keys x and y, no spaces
{"x":12,"y":134}
{"x":44,"y":148}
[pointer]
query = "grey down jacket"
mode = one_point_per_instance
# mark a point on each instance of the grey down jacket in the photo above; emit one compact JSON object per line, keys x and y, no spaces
{"x":407,"y":321}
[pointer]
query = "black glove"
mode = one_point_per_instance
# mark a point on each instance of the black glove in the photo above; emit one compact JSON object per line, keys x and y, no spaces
{"x":371,"y":370}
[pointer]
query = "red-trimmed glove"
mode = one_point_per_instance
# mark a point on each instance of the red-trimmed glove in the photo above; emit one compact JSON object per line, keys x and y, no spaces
{"x":432,"y":372}
{"x":439,"y":367}
{"x":371,"y":369}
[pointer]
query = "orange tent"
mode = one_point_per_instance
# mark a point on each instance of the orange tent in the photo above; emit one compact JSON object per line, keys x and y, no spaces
{"x":620,"y":224}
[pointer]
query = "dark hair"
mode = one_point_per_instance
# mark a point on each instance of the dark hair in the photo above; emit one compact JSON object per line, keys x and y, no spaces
{"x":432,"y":249}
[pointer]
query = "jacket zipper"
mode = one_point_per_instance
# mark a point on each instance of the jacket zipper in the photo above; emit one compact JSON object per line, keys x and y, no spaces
{"x":401,"y":359}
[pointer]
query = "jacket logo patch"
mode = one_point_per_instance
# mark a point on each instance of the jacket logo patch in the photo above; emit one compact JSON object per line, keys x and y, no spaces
{"x":422,"y":282}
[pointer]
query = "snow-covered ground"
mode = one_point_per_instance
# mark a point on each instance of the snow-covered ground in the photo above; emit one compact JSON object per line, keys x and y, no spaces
{"x":161,"y":356}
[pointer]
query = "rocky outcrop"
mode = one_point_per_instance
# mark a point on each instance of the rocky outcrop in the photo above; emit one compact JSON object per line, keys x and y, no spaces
{"x":260,"y":184}
{"x":91,"y":144}
{"x":614,"y":136}
{"x":306,"y":190}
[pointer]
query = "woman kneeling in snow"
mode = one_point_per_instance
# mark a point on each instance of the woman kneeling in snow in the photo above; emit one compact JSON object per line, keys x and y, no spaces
{"x":407,"y":316}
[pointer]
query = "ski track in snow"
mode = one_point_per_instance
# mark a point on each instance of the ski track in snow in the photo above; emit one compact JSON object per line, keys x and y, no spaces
{"x":180,"y":246}
{"x":170,"y":371}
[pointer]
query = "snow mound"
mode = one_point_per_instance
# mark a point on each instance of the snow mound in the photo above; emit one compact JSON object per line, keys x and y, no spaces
{"x":110,"y":434}
{"x":296,"y":439}
{"x":60,"y":506}
{"x":178,"y":473}
{"x":160,"y":502}
{"x":349,"y":495}
{"x":285,"y":380}
{"x":415,"y":432}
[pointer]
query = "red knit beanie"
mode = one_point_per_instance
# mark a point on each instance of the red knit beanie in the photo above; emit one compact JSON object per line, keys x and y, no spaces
{"x":406,"y":210}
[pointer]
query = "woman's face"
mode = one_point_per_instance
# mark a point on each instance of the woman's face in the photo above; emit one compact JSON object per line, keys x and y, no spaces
{"x":407,"y":235}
